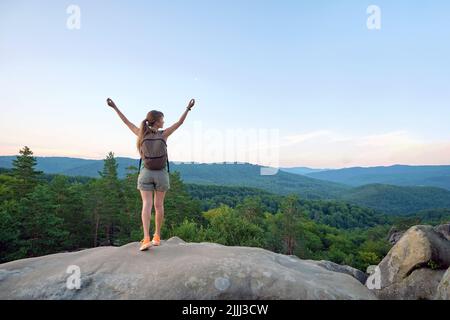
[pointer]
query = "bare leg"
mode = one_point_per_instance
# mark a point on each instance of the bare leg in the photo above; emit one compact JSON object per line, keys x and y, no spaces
{"x":159,"y":208}
{"x":147,"y":204}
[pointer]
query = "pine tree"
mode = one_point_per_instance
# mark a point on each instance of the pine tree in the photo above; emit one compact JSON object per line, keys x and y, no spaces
{"x":291,"y":216}
{"x":112,"y":210}
{"x":23,"y":170}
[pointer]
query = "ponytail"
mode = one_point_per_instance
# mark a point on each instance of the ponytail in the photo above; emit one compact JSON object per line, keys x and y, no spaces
{"x":142,"y":132}
{"x":146,"y":127}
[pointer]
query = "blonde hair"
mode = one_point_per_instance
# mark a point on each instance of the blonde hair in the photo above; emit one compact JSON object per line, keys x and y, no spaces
{"x":147,"y":126}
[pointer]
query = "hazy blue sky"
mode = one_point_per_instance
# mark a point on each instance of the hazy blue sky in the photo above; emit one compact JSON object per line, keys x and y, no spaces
{"x":335,"y":93}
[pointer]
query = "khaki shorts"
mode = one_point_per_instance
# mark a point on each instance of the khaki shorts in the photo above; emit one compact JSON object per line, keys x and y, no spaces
{"x":149,"y":180}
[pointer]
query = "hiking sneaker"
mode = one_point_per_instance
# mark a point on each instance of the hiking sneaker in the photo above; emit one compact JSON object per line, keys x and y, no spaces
{"x":145,"y":244}
{"x":156,"y":240}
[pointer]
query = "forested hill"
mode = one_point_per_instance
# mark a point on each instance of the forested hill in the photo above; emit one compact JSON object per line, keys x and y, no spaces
{"x":398,"y":200}
{"x":249,"y":175}
{"x":401,"y":175}
{"x":333,"y":213}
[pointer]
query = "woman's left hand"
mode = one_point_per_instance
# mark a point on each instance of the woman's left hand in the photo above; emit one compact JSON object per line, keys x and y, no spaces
{"x":110,"y":103}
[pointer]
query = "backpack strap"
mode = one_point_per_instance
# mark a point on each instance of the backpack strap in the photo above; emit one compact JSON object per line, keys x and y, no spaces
{"x":140,"y":161}
{"x":168,"y":168}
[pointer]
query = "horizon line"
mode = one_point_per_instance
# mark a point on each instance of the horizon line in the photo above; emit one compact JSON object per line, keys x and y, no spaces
{"x":244,"y":162}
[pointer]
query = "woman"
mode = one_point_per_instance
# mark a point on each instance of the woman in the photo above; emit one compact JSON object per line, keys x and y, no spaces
{"x":150,"y":181}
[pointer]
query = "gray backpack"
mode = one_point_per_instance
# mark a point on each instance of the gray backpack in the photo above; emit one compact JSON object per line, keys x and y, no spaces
{"x":153,"y":151}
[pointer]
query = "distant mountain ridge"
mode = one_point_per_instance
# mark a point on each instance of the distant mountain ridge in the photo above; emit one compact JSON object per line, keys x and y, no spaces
{"x":400,"y":175}
{"x":302,"y":170}
{"x":237,"y":174}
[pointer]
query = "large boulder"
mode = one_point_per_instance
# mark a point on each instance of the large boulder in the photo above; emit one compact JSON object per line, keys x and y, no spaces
{"x":395,"y":234}
{"x":443,"y":289}
{"x":421,"y":284}
{"x":175,"y":270}
{"x":420,"y":246}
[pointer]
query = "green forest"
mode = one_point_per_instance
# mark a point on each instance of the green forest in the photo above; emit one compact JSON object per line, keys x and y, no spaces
{"x":49,"y":213}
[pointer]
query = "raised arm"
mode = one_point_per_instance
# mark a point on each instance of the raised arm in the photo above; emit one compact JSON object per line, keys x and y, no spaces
{"x":121,"y":115}
{"x":167,"y":132}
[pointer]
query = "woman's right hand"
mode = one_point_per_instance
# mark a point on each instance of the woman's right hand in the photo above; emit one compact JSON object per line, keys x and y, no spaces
{"x":110,"y":103}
